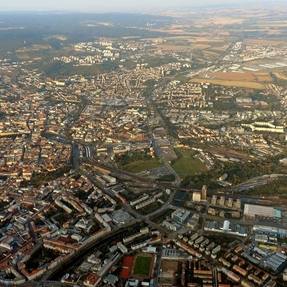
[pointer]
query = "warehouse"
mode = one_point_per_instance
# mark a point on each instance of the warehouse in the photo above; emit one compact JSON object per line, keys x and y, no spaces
{"x":252,"y":211}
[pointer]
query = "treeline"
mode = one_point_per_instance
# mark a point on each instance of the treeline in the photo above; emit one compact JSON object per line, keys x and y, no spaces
{"x":237,"y":172}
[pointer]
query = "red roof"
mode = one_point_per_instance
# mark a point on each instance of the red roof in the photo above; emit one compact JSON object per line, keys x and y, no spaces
{"x":92,"y":278}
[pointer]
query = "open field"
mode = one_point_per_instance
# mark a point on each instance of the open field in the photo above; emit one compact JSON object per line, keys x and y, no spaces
{"x":239,"y":76}
{"x":238,"y":84}
{"x":186,"y":165}
{"x":141,"y":165}
{"x":142,"y":266}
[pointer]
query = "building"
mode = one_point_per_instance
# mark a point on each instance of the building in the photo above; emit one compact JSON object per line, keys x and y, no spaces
{"x":193,"y":221}
{"x":180,"y":215}
{"x":264,"y":127}
{"x":121,"y":217}
{"x":111,"y":280}
{"x":270,"y":231}
{"x":170,"y":225}
{"x":252,"y":211}
{"x":180,"y":198}
{"x":285,"y":275}
{"x":196,"y":196}
{"x":226,"y":227}
{"x":204,"y":193}
{"x":276,"y":262}
{"x":92,"y":280}
{"x":132,"y":283}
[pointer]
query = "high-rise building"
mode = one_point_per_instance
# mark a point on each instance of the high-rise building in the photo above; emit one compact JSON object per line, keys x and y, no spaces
{"x":204,"y":193}
{"x":196,"y":196}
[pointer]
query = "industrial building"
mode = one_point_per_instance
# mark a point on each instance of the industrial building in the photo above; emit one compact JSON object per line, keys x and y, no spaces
{"x":252,"y":211}
{"x":276,"y":262}
{"x":270,"y":231}
{"x":226,"y":227}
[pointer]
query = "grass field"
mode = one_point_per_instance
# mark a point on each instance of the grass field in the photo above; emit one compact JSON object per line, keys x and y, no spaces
{"x":186,"y":165}
{"x":227,"y":83}
{"x":141,"y":165}
{"x":142,"y":266}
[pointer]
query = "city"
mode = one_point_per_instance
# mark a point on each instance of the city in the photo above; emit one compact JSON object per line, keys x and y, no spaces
{"x":144,"y":149}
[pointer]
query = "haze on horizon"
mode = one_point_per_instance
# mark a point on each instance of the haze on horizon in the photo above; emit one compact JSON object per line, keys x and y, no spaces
{"x":118,"y":5}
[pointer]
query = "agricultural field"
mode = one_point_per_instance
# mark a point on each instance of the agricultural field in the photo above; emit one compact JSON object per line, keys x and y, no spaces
{"x":225,"y":21}
{"x":170,"y":47}
{"x":247,"y":80}
{"x":238,"y":76}
{"x":228,"y":83}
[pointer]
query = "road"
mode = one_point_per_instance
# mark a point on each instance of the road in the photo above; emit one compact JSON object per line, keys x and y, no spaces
{"x":256,"y":182}
{"x":172,"y":137}
{"x":129,"y":209}
{"x":157,"y":267}
{"x":87,"y":248}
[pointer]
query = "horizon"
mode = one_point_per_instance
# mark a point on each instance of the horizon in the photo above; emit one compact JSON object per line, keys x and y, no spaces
{"x":112,"y":6}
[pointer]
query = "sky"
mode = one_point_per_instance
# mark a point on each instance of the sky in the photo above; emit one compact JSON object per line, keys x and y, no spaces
{"x":111,"y":5}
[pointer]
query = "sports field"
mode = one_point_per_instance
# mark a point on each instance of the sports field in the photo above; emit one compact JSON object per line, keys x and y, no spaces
{"x":142,"y":266}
